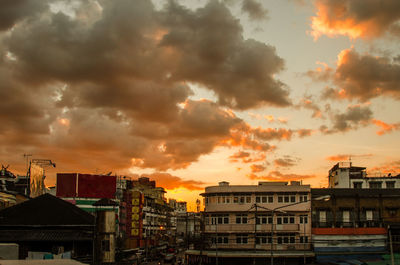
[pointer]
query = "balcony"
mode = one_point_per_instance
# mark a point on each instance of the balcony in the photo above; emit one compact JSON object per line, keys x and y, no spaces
{"x":250,"y":228}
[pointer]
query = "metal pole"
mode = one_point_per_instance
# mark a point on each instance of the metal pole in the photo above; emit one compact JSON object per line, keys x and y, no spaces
{"x":255,"y":232}
{"x":304,"y":236}
{"x":216,"y":240}
{"x":272,"y":239}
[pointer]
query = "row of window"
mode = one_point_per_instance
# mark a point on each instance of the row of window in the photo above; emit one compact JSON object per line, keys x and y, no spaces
{"x":375,"y":185}
{"x":260,"y":239}
{"x":261,"y":219}
{"x":258,"y":199}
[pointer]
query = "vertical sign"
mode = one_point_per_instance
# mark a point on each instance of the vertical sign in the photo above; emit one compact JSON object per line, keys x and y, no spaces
{"x":137,"y":206}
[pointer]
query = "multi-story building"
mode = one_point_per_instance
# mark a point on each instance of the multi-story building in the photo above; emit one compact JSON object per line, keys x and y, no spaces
{"x":345,"y":175}
{"x":355,"y":222}
{"x":256,"y":222}
{"x":155,"y":213}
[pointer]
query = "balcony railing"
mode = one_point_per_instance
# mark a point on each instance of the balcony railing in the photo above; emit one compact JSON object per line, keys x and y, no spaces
{"x":250,"y":228}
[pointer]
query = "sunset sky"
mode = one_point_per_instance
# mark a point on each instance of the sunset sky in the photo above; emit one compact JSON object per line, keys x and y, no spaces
{"x":194,"y":92}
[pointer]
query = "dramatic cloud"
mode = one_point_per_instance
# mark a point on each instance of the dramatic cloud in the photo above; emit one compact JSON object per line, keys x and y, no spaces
{"x":305,"y":132}
{"x":239,"y":71}
{"x":278,"y":176}
{"x":354,"y":117}
{"x":385,"y":127}
{"x":355,"y":18}
{"x":12,"y":11}
{"x":170,"y":182}
{"x":102,"y":86}
{"x":255,"y":10}
{"x":360,"y":76}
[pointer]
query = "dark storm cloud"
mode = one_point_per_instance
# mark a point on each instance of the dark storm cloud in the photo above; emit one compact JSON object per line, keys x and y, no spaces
{"x":12,"y":11}
{"x":107,"y":87}
{"x":239,"y":71}
{"x":254,"y":9}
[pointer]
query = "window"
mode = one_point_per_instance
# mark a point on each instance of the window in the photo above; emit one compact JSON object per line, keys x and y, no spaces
{"x":369,"y":215}
{"x":248,"y":199}
{"x":292,"y":198}
{"x":304,"y":239}
{"x":263,"y":239}
{"x":375,"y":185}
{"x":241,"y":218}
{"x":346,"y":216}
{"x":357,"y":185}
{"x":258,"y":199}
{"x":105,"y":245}
{"x":285,"y":220}
{"x":303,"y":219}
{"x":241,"y":239}
{"x":286,"y":198}
{"x":241,"y":199}
{"x":286,"y":238}
{"x":219,"y":219}
{"x":322,"y":216}
{"x":235,"y":199}
{"x":270,"y":199}
{"x":264,"y":199}
{"x":390,"y":184}
{"x":280,"y":199}
{"x":303,"y":198}
{"x":264,"y":219}
{"x":221,"y":239}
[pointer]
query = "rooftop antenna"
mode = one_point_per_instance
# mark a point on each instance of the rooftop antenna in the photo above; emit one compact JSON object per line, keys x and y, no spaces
{"x":350,"y":160}
{"x":26,"y":156}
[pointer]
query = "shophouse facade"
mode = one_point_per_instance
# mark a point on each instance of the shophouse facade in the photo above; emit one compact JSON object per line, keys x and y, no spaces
{"x":261,"y":222}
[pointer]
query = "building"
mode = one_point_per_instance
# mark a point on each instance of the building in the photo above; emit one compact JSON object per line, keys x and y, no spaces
{"x":354,"y":223}
{"x":257,"y":223}
{"x":345,"y":175}
{"x":48,"y":227}
{"x":155,"y":214}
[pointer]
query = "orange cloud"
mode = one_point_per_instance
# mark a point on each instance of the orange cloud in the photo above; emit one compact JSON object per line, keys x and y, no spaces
{"x":169,"y":182}
{"x":385,"y":127}
{"x":257,"y":168}
{"x":392,"y":167}
{"x":278,"y":176}
{"x":354,"y":18}
{"x":246,"y":157}
{"x":345,"y":157}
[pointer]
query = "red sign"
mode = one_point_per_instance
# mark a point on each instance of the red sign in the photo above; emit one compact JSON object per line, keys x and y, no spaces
{"x":66,"y":185}
{"x":96,"y":186}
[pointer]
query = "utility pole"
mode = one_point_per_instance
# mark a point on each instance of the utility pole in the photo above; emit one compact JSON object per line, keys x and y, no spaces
{"x":255,"y":232}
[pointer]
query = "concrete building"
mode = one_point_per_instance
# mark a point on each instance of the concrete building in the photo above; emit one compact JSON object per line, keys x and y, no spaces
{"x":268,"y":221}
{"x":354,"y":223}
{"x":345,"y":175}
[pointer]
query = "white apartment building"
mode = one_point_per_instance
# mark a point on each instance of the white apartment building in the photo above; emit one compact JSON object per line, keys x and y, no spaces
{"x":268,"y":219}
{"x":345,"y":175}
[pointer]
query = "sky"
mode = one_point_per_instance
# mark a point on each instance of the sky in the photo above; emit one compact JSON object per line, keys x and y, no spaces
{"x":191,"y":93}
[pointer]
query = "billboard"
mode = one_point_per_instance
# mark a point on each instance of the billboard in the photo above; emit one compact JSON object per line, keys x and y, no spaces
{"x":86,"y":185}
{"x":66,"y":184}
{"x":96,"y":186}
